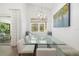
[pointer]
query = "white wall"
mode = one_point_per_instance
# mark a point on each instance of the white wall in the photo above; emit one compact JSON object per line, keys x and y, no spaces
{"x":5,"y":19}
{"x":69,"y":35}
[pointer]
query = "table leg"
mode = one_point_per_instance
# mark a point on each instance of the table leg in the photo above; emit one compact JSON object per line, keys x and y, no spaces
{"x":48,"y":46}
{"x":36,"y":46}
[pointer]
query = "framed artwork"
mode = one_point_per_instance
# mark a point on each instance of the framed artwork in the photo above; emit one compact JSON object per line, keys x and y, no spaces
{"x":62,"y":17}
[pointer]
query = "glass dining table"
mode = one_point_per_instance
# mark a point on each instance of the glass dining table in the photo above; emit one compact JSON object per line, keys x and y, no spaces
{"x":42,"y":40}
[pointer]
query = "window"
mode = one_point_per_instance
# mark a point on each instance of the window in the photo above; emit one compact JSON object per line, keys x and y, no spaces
{"x":34,"y":27}
{"x":4,"y":32}
{"x":38,"y":25}
{"x":42,"y":27}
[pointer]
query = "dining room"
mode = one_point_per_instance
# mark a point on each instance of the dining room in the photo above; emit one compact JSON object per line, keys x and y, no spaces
{"x":39,"y":29}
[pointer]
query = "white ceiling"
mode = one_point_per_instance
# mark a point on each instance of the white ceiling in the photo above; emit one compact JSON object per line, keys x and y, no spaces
{"x":48,"y":6}
{"x":41,"y":8}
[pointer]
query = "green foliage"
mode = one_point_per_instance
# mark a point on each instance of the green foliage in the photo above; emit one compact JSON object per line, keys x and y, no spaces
{"x":5,"y":28}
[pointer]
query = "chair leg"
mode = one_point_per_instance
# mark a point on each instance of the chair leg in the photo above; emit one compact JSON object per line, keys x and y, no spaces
{"x":20,"y":54}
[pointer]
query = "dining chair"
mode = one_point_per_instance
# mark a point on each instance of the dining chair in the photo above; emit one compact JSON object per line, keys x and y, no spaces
{"x":49,"y":33}
{"x":46,"y":52}
{"x":24,"y":49}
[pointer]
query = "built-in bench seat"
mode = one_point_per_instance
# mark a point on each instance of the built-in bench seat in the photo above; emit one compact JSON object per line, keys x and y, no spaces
{"x":67,"y":50}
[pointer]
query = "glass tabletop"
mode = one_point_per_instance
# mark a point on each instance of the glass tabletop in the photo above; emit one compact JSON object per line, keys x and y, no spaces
{"x":46,"y":39}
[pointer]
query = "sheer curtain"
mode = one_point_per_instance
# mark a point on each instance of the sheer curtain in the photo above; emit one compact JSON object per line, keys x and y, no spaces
{"x":15,"y":28}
